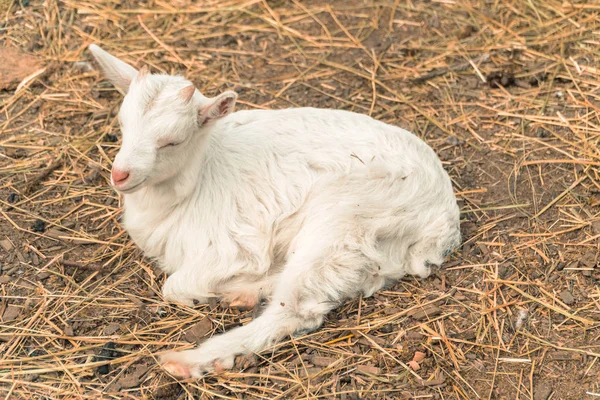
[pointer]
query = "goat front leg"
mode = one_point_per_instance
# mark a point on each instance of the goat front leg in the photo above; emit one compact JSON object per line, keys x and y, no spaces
{"x":181,"y":288}
{"x":218,"y":353}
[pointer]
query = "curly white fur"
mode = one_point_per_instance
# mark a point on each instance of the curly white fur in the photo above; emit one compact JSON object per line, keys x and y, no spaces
{"x":306,"y":207}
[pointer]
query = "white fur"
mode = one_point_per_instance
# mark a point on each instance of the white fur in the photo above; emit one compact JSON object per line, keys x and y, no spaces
{"x":306,"y":207}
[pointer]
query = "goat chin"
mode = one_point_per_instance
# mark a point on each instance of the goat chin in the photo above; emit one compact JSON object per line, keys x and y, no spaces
{"x":303,"y":207}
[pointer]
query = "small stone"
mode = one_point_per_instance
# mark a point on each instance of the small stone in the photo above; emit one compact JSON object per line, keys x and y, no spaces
{"x":197,"y":332}
{"x":368,"y":370}
{"x":542,"y":391}
{"x":414,"y":336}
{"x":12,"y":198}
{"x":419,"y":356}
{"x":68,"y":330}
{"x":567,"y":297}
{"x":319,"y":361}
{"x":588,"y":260}
{"x":4,"y":279}
{"x":43,"y":275}
{"x":38,"y":226}
{"x":134,"y":378}
{"x":107,"y":352}
{"x":426,"y":312}
{"x":560,"y":267}
{"x":454,"y":141}
{"x":246,"y":361}
{"x":111,"y":329}
{"x":6,"y":244}
{"x":596,"y":227}
{"x":11,"y":313}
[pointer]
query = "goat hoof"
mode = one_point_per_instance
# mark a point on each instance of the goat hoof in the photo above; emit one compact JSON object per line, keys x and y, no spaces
{"x":241,"y":301}
{"x":178,"y":364}
{"x":176,"y":369}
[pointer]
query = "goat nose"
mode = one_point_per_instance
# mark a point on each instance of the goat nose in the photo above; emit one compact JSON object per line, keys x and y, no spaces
{"x":119,"y":176}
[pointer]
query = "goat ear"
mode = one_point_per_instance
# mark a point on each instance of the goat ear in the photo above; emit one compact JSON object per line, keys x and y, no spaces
{"x":218,"y":107}
{"x":116,"y":71}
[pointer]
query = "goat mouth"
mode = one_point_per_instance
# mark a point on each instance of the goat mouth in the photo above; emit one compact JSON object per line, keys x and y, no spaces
{"x":130,"y":189}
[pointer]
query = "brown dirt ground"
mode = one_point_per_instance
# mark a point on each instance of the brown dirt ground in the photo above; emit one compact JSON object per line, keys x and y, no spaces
{"x":508,"y":97}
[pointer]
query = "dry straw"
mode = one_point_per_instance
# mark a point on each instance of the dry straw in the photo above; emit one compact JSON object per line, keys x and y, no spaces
{"x":506,"y":92}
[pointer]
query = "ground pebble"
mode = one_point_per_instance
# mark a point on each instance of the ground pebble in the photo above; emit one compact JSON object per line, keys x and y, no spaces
{"x":542,"y":391}
{"x":197,"y":332}
{"x":108,"y":352}
{"x":11,"y":313}
{"x":38,"y":226}
{"x":319,"y":361}
{"x":588,"y":260}
{"x":567,"y":297}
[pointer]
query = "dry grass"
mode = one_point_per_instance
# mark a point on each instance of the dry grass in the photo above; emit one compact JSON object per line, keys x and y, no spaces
{"x":498,"y":321}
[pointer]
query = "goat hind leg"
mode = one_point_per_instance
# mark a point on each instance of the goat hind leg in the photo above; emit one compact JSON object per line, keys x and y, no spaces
{"x":305,"y":292}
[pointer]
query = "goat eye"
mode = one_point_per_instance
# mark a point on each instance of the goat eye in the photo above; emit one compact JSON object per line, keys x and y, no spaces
{"x":169,"y":145}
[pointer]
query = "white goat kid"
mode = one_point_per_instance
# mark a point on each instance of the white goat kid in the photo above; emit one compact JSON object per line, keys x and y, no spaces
{"x":305,"y":207}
